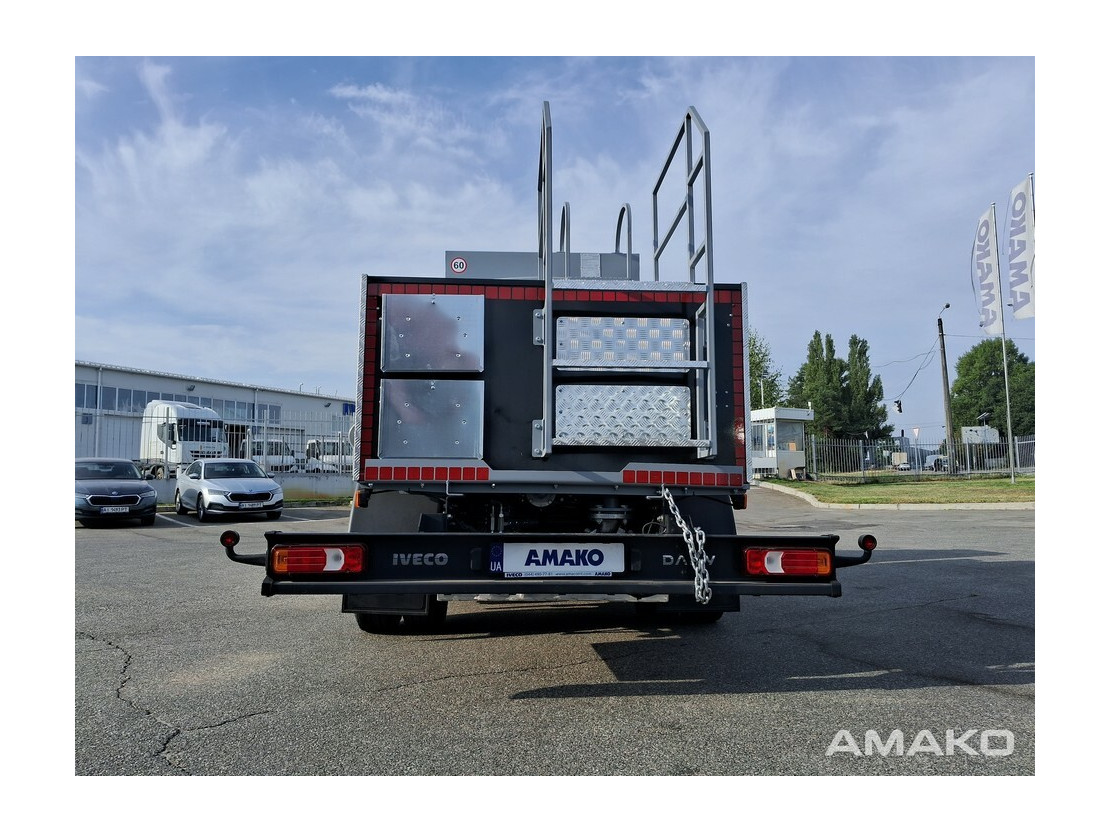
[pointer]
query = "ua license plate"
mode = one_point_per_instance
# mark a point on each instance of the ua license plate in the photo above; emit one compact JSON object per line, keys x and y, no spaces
{"x":250,"y":505}
{"x":110,"y":510}
{"x":521,"y":560}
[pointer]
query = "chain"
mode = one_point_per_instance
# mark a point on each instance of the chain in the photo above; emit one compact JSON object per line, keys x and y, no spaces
{"x":695,"y":544}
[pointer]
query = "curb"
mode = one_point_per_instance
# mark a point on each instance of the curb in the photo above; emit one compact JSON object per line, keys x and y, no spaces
{"x":810,"y":499}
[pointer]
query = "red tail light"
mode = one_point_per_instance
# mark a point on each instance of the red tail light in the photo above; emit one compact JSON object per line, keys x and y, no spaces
{"x":346,"y":558}
{"x":788,"y":562}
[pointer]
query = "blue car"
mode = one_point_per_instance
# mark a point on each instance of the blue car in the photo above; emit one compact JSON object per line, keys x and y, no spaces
{"x":108,"y":489}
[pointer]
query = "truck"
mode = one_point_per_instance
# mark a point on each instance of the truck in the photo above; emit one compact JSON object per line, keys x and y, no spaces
{"x":174,"y":434}
{"x":274,"y":455}
{"x":551,"y":425}
{"x":330,"y":456}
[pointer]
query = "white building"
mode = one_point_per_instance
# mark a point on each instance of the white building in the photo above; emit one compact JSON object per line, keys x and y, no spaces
{"x":110,"y":402}
{"x":777,"y":440}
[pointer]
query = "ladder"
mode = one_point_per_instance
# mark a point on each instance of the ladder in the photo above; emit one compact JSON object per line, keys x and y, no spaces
{"x":609,"y":409}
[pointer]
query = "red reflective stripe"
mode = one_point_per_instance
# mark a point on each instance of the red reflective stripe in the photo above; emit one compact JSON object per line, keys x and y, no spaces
{"x":628,"y":476}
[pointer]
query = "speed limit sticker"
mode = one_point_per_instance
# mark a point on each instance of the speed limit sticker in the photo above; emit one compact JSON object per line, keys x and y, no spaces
{"x":458,"y":265}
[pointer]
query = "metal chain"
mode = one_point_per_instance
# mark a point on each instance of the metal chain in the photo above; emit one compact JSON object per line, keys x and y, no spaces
{"x":695,"y":544}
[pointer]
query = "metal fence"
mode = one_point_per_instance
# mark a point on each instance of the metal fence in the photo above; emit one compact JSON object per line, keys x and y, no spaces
{"x":310,"y":442}
{"x":862,"y":461}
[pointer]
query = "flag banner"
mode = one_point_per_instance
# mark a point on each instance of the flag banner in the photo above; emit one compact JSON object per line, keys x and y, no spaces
{"x":984,"y":275}
{"x":1020,"y":248}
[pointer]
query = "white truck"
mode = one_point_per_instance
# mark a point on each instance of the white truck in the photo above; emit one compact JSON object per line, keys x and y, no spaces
{"x":329,"y":456}
{"x":549,"y":425}
{"x":177,"y":433}
{"x":274,"y":455}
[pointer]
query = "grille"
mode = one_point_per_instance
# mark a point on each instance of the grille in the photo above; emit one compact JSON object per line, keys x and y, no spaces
{"x":114,"y":500}
{"x":249,"y":497}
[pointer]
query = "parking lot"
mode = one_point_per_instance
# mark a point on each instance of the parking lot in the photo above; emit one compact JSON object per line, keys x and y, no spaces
{"x":924,"y":667}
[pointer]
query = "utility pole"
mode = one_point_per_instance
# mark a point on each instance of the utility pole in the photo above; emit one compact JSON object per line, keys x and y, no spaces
{"x":949,"y":436}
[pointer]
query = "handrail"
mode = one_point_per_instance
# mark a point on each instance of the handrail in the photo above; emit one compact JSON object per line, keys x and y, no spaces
{"x":543,"y":428}
{"x":564,"y":238}
{"x":626,"y":209}
{"x":696,"y":253}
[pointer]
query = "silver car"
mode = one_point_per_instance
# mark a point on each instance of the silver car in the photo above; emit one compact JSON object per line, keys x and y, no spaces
{"x":227,"y":486}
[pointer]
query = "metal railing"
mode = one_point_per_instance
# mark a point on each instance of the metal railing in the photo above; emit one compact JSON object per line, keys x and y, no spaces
{"x":309,"y":442}
{"x":864,"y":461}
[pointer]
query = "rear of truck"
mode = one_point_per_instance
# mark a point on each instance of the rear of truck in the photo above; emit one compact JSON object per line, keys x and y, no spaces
{"x":549,"y":425}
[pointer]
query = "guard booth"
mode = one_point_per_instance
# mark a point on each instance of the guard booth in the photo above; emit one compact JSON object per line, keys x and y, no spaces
{"x":777,"y":442}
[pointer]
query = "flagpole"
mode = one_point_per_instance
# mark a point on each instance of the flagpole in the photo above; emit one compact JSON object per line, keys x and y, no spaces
{"x":1005,"y":370}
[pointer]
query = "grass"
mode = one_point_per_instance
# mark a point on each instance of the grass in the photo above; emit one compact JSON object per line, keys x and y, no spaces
{"x":954,"y":490}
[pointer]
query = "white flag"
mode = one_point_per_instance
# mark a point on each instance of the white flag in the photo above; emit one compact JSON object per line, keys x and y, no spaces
{"x":1020,"y":248}
{"x":984,"y":275}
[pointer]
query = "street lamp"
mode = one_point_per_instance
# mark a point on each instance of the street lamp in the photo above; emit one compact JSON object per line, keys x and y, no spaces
{"x":949,"y":437}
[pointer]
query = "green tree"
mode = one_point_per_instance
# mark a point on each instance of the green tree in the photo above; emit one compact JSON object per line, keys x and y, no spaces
{"x":819,"y":383}
{"x":764,"y":380}
{"x":980,"y":387}
{"x":865,"y":414}
{"x":846,"y":401}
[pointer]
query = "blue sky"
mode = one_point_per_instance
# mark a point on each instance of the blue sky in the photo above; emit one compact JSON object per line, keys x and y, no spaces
{"x":226,"y":207}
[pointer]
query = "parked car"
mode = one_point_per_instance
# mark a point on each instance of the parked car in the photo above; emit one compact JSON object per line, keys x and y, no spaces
{"x":107,"y":488}
{"x":227,"y":486}
{"x":904,"y":467}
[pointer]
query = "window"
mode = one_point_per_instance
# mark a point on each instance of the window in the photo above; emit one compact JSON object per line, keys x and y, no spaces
{"x":123,"y":399}
{"x":108,"y":399}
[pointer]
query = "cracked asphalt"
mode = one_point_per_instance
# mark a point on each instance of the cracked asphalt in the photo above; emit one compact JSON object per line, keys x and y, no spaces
{"x":182,"y":668}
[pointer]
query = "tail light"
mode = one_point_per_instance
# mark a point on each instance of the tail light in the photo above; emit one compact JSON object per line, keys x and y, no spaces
{"x":346,"y":558}
{"x":763,"y":561}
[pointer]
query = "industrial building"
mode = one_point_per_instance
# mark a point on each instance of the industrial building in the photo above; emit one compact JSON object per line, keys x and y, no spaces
{"x":110,"y":401}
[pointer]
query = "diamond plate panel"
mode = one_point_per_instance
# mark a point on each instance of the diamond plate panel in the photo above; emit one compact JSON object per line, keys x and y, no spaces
{"x":622,"y":415}
{"x":622,"y":340}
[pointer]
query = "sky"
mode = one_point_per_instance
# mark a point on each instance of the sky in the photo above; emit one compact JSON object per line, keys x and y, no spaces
{"x":227,"y":207}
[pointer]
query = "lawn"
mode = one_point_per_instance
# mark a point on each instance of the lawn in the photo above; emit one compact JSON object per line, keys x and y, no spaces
{"x":955,"y":490}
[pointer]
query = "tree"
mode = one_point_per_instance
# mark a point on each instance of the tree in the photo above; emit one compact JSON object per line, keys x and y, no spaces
{"x":980,"y":387}
{"x":764,"y":382}
{"x":865,"y":414}
{"x":844,"y":398}
{"x":819,"y":383}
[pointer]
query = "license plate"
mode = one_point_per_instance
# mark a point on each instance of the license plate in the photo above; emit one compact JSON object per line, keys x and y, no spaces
{"x":523,"y":560}
{"x":250,"y":505}
{"x":108,"y":510}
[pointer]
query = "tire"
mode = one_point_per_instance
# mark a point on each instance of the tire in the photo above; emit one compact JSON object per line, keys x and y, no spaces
{"x":379,"y":622}
{"x":273,"y":516}
{"x":202,"y":513}
{"x":147,"y":521}
{"x":178,"y":506}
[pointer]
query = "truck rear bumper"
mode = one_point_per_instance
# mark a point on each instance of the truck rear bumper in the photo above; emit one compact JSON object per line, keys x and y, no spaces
{"x":476,"y":564}
{"x":626,"y":587}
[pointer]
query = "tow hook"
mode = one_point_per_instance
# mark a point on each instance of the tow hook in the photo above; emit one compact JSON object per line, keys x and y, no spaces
{"x":228,"y":539}
{"x":867,"y":543}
